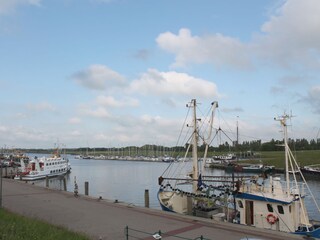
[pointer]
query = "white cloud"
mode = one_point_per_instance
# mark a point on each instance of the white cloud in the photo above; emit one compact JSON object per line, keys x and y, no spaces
{"x":109,"y":101}
{"x":99,"y":112}
{"x":74,"y":120}
{"x":313,"y":98}
{"x":290,"y":38}
{"x":158,"y":83}
{"x":217,"y":49}
{"x":292,"y":34}
{"x":98,"y":77}
{"x":8,"y":6}
{"x":41,"y":107}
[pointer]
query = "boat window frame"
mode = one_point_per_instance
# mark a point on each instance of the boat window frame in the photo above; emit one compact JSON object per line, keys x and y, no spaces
{"x":280,"y":209}
{"x":270,"y":207}
{"x":240,"y":204}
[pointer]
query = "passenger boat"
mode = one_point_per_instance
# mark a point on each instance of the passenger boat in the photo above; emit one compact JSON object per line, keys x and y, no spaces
{"x":39,"y":168}
{"x":264,"y":202}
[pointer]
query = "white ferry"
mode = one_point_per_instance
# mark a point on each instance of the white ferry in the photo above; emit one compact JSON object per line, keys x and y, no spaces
{"x":39,"y":168}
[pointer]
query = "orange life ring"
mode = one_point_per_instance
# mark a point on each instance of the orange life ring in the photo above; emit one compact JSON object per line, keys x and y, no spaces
{"x":272,"y":218}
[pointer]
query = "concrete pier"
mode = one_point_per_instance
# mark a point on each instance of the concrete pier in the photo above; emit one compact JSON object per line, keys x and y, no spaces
{"x":102,"y":219}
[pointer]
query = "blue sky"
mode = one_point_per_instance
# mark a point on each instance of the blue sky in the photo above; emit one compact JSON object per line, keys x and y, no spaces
{"x":111,"y":73}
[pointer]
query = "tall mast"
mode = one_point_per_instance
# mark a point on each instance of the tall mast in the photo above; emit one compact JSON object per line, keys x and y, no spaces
{"x":195,"y":147}
{"x":283,"y":122}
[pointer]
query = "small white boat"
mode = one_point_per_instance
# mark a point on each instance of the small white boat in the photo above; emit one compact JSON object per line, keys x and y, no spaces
{"x":39,"y":168}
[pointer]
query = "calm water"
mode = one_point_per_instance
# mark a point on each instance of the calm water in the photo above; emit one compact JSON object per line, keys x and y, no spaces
{"x":126,"y":181}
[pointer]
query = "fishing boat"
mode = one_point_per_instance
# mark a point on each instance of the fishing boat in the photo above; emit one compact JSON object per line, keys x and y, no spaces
{"x":271,"y":203}
{"x":39,"y":168}
{"x":184,"y":187}
{"x":265,"y":202}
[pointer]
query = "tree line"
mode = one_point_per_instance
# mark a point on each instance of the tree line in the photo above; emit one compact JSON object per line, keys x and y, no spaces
{"x":273,"y":145}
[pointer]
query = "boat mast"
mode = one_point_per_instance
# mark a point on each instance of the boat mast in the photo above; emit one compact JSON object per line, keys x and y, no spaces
{"x":283,"y":122}
{"x":195,"y":147}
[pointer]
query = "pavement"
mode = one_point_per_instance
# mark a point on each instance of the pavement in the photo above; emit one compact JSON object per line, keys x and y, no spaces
{"x":104,"y":219}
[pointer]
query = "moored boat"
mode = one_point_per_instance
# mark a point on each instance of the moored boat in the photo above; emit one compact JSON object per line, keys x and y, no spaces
{"x":39,"y":168}
{"x":270,"y":203}
{"x":191,"y":192}
{"x":313,"y":170}
{"x":265,"y":202}
{"x":249,"y":168}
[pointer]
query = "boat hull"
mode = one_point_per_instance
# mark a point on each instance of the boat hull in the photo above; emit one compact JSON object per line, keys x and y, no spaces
{"x":173,"y":202}
{"x":310,"y":234}
{"x":38,"y":176}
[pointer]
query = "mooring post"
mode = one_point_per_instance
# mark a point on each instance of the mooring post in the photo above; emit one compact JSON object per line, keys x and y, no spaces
{"x":64,"y":184}
{"x":47,"y":181}
{"x":127,"y":232}
{"x":75,"y":187}
{"x":86,"y":188}
{"x":146,"y":198}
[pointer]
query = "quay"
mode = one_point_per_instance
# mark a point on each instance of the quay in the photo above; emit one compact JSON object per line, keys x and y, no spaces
{"x":104,"y":219}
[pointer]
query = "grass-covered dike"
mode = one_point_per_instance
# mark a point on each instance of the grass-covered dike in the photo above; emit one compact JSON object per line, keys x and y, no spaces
{"x":276,"y":158}
{"x":16,"y":227}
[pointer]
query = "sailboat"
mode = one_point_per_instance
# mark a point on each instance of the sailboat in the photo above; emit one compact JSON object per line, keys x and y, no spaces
{"x":191,"y":192}
{"x":270,"y":203}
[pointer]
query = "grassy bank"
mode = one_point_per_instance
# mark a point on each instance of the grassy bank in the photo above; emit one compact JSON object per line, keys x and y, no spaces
{"x":276,"y":158}
{"x":16,"y":227}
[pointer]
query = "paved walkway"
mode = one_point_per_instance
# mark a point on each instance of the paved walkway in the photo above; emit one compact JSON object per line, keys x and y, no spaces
{"x":102,"y":219}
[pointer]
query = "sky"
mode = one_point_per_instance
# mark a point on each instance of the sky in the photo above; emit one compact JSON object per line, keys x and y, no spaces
{"x":114,"y":73}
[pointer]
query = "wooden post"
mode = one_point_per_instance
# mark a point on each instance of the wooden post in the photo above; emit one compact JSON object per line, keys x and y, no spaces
{"x":189,"y":206}
{"x":64,"y":184}
{"x":47,"y":181}
{"x":86,"y":188}
{"x":146,"y":198}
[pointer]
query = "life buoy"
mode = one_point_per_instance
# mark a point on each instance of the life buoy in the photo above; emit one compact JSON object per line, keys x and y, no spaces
{"x":272,"y":218}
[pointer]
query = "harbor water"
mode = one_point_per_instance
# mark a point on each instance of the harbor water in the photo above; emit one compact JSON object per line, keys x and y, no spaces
{"x":126,"y":181}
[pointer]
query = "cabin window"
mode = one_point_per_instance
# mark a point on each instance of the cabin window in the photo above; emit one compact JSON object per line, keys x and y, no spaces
{"x":270,"y":208}
{"x":240,"y":204}
{"x":280,"y":209}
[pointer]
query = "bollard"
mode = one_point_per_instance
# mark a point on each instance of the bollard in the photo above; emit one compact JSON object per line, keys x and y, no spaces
{"x":86,"y":188}
{"x":146,"y":198}
{"x":64,"y":184}
{"x":47,"y":181}
{"x":75,"y":187}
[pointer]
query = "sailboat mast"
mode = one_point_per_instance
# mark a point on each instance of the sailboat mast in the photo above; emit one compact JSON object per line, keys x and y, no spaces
{"x":195,"y":147}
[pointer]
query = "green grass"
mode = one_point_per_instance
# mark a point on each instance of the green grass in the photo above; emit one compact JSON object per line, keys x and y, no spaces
{"x":16,"y":227}
{"x":277,"y":158}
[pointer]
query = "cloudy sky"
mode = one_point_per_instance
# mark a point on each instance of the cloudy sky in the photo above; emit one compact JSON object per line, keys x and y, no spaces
{"x":110,"y":73}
